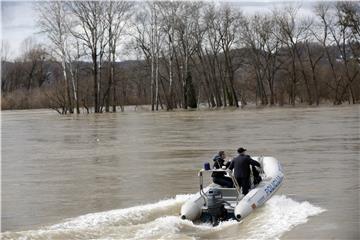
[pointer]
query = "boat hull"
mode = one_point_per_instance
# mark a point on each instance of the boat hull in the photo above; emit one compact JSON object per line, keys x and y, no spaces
{"x":195,"y":207}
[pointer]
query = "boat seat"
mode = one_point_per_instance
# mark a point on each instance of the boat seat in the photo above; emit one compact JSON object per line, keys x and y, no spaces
{"x":228,"y":192}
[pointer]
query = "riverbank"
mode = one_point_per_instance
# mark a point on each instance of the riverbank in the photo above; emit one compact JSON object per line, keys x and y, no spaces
{"x":201,"y":107}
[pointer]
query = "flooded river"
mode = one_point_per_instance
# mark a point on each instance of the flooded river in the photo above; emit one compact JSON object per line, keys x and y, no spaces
{"x":125,"y":175}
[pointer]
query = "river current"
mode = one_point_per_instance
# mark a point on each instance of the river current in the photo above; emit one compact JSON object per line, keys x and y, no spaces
{"x":125,"y":175}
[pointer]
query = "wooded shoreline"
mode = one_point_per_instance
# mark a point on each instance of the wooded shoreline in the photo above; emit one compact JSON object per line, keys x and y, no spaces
{"x":188,"y":54}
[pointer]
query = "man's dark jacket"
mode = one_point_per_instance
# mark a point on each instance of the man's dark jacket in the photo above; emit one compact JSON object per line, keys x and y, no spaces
{"x":218,"y":164}
{"x":241,"y":165}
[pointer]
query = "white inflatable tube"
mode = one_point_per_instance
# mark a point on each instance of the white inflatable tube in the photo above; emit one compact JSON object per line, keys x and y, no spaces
{"x":191,"y":209}
{"x":258,"y":196}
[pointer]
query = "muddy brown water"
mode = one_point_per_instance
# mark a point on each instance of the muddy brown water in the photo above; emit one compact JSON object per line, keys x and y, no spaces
{"x":130,"y":172}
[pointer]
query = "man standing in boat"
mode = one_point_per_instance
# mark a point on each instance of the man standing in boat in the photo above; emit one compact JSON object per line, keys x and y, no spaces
{"x":241,"y":165}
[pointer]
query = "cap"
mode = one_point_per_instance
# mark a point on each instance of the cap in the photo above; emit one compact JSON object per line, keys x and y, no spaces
{"x":241,"y":150}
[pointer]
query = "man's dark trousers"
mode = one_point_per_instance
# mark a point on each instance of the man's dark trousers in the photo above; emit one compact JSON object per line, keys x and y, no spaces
{"x":244,"y":183}
{"x":223,"y":181}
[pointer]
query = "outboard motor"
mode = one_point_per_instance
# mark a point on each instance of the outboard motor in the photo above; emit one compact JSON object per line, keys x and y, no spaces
{"x":215,"y":205}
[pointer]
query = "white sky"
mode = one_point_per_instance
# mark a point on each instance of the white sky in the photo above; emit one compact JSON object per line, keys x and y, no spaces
{"x":18,"y":18}
{"x":18,"y":21}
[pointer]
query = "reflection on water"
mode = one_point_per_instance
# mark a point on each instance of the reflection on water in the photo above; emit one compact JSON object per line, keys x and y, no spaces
{"x":55,"y":167}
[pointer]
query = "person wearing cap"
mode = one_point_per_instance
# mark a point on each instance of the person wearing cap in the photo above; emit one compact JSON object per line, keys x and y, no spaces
{"x":241,"y":165}
{"x":219,"y":177}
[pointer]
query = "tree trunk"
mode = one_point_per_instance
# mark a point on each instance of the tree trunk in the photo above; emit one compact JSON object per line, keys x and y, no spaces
{"x":109,"y":87}
{"x":67,"y":99}
{"x":95,"y":71}
{"x":307,"y":85}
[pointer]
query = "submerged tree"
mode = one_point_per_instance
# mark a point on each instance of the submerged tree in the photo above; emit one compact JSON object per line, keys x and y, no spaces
{"x":55,"y":23}
{"x":92,"y":25}
{"x":117,"y":15}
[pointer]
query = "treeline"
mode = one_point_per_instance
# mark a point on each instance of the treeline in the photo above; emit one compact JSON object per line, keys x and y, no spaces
{"x":188,"y":53}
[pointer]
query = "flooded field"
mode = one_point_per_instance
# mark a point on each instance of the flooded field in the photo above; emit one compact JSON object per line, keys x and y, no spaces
{"x":125,"y":175}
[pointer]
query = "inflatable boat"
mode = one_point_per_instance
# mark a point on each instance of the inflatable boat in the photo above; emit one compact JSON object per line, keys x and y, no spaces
{"x":215,"y":203}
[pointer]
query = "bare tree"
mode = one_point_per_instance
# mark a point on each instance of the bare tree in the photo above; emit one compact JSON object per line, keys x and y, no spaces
{"x":168,"y":11}
{"x":33,"y":59}
{"x":187,"y":45}
{"x":322,"y":11}
{"x":118,"y":13}
{"x":147,"y":39}
{"x":54,"y":22}
{"x":343,"y":33}
{"x":256,"y":39}
{"x":294,"y":30}
{"x":5,"y":50}
{"x":74,"y":55}
{"x":92,"y":26}
{"x":336,"y":35}
{"x":314,"y":55}
{"x":259,"y":35}
{"x":229,"y":35}
{"x":209,"y":56}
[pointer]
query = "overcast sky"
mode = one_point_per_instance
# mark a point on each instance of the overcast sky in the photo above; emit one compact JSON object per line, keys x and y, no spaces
{"x":18,"y":18}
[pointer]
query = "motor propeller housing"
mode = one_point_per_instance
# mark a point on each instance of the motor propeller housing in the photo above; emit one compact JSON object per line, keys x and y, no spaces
{"x":215,"y":205}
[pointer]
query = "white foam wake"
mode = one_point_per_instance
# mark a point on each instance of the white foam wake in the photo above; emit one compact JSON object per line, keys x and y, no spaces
{"x":161,"y":221}
{"x":279,"y":215}
{"x":127,"y":216}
